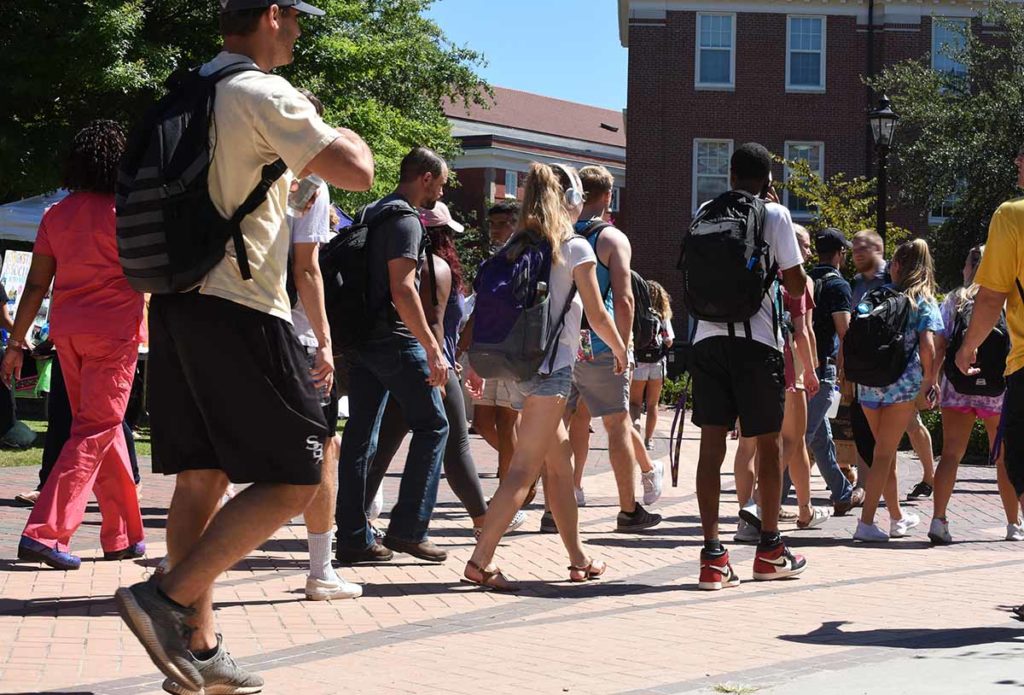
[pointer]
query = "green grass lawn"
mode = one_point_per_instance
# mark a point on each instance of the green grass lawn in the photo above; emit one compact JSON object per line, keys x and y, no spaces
{"x":34,"y":454}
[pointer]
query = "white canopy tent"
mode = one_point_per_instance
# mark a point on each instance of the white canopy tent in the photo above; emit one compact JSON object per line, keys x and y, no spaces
{"x":19,"y":221}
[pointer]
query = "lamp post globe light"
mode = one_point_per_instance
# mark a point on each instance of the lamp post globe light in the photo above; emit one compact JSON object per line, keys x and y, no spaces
{"x":883,"y":128}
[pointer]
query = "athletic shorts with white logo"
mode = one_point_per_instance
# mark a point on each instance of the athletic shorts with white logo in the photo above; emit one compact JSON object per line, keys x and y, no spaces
{"x":603,"y":391}
{"x":736,"y":377}
{"x":230,"y":390}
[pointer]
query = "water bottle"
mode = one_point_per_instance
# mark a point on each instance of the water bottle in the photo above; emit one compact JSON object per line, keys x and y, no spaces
{"x":303,"y":193}
{"x":863,"y":309}
{"x":542,"y":292}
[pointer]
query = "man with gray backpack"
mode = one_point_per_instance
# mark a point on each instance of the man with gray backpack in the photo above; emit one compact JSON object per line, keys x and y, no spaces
{"x":731,"y":257}
{"x":201,"y":204}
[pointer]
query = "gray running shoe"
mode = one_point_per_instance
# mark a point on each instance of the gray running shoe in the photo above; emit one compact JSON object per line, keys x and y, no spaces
{"x":161,"y":628}
{"x":221,"y":675}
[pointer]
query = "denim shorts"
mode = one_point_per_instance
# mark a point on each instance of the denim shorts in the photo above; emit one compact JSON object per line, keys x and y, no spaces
{"x":557,"y":383}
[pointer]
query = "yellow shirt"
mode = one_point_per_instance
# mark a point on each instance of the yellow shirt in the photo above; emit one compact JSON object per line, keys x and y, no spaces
{"x":1002,"y":266}
{"x":258,"y":118}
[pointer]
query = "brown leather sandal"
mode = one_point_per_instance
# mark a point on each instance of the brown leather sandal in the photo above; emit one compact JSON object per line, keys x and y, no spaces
{"x":593,"y":570}
{"x":495,"y":581}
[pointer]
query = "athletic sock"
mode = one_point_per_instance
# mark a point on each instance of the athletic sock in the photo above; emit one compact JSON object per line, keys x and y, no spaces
{"x":713,"y":548}
{"x":320,"y":556}
{"x":770,"y":539}
{"x":206,"y":655}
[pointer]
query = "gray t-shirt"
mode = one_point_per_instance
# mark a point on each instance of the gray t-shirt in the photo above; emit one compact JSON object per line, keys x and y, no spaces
{"x":399,"y":237}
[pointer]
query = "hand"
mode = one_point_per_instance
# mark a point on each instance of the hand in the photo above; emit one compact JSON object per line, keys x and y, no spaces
{"x":621,"y":360}
{"x":323,"y":368}
{"x":772,"y":196}
{"x":930,"y":393}
{"x":438,"y":368}
{"x":811,"y":382}
{"x":458,"y":370}
{"x":474,"y":383}
{"x":11,"y":367}
{"x":295,"y":186}
{"x":965,"y":361}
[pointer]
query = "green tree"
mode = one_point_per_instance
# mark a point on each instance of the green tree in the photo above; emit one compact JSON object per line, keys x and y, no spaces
{"x":379,"y":66}
{"x":958,"y":133}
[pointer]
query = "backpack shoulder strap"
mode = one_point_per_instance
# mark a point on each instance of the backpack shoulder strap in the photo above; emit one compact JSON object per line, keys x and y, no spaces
{"x":271,"y":173}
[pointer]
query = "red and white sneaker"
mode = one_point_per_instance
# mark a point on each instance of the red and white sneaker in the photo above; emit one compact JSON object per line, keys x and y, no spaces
{"x":777,"y":563}
{"x":716,"y":573}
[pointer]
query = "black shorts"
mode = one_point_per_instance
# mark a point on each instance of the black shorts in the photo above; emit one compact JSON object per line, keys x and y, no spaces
{"x":736,"y":377}
{"x":1012,"y":425}
{"x":230,"y":390}
{"x":331,"y":413}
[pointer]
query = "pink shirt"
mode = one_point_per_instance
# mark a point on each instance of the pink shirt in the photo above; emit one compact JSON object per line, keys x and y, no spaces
{"x":90,"y":292}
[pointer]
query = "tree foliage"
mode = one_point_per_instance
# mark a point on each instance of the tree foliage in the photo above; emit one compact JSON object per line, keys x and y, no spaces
{"x":379,"y":66}
{"x":958,"y":134}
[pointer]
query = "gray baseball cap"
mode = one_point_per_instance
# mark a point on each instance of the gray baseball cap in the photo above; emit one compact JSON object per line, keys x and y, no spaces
{"x":236,"y":5}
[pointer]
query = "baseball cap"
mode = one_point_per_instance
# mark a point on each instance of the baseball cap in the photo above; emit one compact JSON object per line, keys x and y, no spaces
{"x":236,"y":5}
{"x":440,"y":217}
{"x":831,"y":239}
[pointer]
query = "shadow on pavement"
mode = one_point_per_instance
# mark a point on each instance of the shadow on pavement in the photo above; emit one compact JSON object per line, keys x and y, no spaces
{"x":911,"y":638}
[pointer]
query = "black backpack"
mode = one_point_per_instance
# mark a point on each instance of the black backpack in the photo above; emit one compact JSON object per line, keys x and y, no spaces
{"x":345,"y":266}
{"x":169,"y":234}
{"x":992,"y":354}
{"x":646,"y":322}
{"x":874,"y":353}
{"x":724,"y":259}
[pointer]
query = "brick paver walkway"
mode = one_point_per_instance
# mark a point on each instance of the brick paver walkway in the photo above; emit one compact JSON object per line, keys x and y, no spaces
{"x":643,"y":629}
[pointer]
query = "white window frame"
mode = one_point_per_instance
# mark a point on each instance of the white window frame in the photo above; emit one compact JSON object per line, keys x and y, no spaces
{"x":802,"y":214}
{"x":513,"y":177}
{"x":712,"y":86}
{"x":935,"y":49}
{"x":696,"y":143}
{"x":819,"y":89}
{"x":948,"y":202}
{"x":613,"y":206}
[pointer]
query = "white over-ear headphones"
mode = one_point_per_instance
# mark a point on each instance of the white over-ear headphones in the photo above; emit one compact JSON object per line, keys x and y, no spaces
{"x":573,"y":194}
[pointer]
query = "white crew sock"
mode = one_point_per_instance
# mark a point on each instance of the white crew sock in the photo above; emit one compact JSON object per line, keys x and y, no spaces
{"x":320,"y":556}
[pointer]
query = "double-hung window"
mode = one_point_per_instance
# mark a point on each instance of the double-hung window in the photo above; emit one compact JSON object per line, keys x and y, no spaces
{"x":805,"y":54}
{"x":511,"y":183}
{"x":716,"y":51}
{"x":814,"y":154}
{"x":948,"y":38}
{"x":710,"y":169}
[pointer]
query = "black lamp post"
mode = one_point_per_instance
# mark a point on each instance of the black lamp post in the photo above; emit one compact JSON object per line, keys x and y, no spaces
{"x":883,"y":128}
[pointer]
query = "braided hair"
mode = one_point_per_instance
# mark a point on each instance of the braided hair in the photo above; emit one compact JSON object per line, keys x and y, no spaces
{"x":91,"y":165}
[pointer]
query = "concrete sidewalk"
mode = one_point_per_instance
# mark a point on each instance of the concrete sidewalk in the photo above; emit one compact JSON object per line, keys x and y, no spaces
{"x":897,"y":618}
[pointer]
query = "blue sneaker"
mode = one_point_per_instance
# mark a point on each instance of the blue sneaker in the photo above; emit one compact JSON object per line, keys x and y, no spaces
{"x":133,"y":551}
{"x":33,"y":551}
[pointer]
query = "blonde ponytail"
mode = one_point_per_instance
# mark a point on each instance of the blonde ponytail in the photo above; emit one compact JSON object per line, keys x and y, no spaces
{"x":543,"y":211}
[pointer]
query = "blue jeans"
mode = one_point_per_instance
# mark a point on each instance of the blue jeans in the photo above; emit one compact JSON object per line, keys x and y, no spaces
{"x":395,"y":366}
{"x":819,"y":436}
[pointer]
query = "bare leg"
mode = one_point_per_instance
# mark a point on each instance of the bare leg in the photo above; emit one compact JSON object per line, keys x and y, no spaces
{"x":196,"y":497}
{"x":743,"y":469}
{"x":636,"y":400}
{"x":709,"y":478}
{"x":485,"y":419}
{"x":921,"y":440}
{"x":622,"y":457}
{"x":579,"y":438}
{"x":653,"y":400}
{"x":319,"y":515}
{"x":956,"y":431}
{"x":507,"y":420}
{"x":560,"y":495}
{"x":241,"y":525}
{"x":794,"y":450}
{"x":888,"y":425}
{"x":769,"y":480}
{"x":1006,"y":492}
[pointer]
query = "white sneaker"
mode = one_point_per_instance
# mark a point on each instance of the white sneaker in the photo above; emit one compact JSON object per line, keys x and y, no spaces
{"x":581,"y":497}
{"x":518,"y":520}
{"x":752,"y":515}
{"x":652,"y":482}
{"x":327,"y":589}
{"x":1015,"y":532}
{"x":899,"y":529}
{"x":229,"y":494}
{"x":649,"y":445}
{"x":870,"y":533}
{"x":745,"y":533}
{"x":376,"y":506}
{"x":938,"y":532}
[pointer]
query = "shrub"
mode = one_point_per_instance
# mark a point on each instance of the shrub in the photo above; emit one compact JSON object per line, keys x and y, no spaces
{"x":977,"y":447}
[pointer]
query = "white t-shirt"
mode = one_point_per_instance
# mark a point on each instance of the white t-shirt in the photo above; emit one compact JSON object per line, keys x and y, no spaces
{"x":575,"y":252}
{"x":258,"y":118}
{"x":784,"y":250}
{"x":312,"y":228}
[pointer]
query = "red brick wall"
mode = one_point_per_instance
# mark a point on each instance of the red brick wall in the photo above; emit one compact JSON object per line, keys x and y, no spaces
{"x":666,"y":113}
{"x":469,"y":196}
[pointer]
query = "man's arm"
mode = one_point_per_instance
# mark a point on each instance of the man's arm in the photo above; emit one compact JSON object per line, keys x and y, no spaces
{"x":988,"y":304}
{"x":309,"y":285}
{"x":617,"y":253}
{"x":346,"y":163}
{"x":402,"y":282}
{"x":795,"y":280}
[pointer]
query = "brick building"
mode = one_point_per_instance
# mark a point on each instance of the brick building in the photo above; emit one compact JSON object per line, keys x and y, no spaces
{"x":518,"y":128}
{"x":706,"y":76}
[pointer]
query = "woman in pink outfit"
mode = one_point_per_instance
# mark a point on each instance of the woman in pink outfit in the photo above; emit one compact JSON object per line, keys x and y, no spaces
{"x":96,"y":325}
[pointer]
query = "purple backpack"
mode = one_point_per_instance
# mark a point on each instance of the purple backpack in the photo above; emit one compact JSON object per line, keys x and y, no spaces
{"x":513,"y":330}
